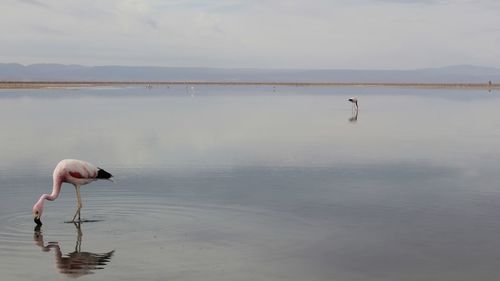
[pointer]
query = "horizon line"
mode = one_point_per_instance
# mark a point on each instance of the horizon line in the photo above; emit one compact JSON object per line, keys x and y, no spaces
{"x":254,"y":68}
{"x":151,"y":84}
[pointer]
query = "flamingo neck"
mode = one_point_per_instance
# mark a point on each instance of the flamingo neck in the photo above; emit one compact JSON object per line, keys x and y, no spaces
{"x":56,"y":189}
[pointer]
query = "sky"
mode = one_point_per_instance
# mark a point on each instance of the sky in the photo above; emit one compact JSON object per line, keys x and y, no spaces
{"x":298,"y":34}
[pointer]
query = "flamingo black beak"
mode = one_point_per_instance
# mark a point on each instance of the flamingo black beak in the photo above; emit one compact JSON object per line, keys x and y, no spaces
{"x":37,"y":221}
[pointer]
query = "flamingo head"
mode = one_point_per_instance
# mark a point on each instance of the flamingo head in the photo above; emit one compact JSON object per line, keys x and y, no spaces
{"x":37,"y":213}
{"x":354,"y":100}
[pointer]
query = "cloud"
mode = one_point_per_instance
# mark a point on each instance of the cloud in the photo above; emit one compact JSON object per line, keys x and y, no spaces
{"x":243,"y":33}
{"x":150,"y":22}
{"x":35,"y":3}
{"x":413,"y":1}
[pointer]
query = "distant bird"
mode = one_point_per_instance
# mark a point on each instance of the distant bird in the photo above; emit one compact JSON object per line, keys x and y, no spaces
{"x":75,"y":172}
{"x":354,"y":102}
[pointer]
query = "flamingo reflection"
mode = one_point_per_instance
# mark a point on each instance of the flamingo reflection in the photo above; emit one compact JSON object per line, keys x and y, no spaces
{"x":76,"y":263}
{"x":354,"y":117}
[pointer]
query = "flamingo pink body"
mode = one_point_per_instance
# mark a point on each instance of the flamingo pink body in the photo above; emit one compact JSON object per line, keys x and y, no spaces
{"x":75,"y":172}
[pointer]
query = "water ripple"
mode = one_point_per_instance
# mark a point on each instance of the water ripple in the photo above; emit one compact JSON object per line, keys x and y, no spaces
{"x":101,"y":212}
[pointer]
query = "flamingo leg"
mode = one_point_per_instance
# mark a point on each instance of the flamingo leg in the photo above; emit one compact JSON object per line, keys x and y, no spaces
{"x":77,"y":188}
{"x":78,"y":246}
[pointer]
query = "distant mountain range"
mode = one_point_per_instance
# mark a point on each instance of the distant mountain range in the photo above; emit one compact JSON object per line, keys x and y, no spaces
{"x":78,"y":73}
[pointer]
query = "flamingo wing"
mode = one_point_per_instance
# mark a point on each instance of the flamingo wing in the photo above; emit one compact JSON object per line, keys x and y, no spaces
{"x":80,"y":172}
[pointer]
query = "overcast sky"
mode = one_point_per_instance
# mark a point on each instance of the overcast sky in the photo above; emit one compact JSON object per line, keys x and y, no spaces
{"x":353,"y":34}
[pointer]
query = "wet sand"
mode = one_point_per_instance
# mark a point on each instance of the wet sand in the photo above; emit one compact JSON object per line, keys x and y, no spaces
{"x":81,"y":84}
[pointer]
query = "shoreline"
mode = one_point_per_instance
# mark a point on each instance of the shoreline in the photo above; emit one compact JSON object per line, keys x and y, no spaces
{"x":90,"y":84}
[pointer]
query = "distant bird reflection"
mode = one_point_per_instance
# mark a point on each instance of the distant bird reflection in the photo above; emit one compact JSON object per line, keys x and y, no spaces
{"x":76,"y":263}
{"x":354,"y":117}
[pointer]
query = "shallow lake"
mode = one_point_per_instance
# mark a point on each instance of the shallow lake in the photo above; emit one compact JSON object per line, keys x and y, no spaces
{"x":253,"y":183}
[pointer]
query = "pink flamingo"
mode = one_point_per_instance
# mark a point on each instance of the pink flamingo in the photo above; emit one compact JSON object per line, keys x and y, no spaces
{"x":75,"y":172}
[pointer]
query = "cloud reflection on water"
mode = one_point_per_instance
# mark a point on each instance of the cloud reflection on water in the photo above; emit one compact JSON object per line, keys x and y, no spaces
{"x":264,"y":186}
{"x":231,"y":130}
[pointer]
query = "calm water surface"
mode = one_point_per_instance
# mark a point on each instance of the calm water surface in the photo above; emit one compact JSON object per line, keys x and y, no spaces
{"x":244,"y":183}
